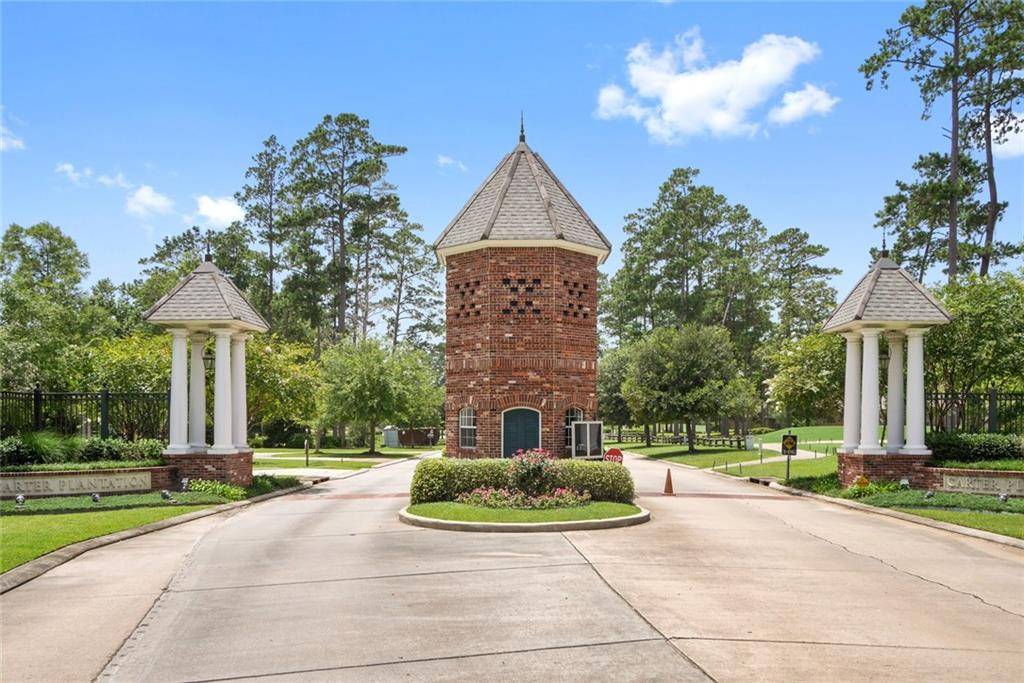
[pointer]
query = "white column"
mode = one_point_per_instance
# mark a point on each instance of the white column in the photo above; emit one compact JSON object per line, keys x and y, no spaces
{"x":178,"y":427}
{"x":197,"y":395}
{"x":869,"y":395}
{"x":894,"y":399}
{"x":239,"y":412}
{"x":222,"y":438}
{"x":915,"y":394}
{"x":851,"y":397}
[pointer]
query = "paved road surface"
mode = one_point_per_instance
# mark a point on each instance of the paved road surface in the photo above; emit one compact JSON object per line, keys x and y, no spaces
{"x":729,"y":581}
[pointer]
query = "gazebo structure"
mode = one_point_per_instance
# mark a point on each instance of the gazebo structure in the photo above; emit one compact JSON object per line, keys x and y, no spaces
{"x":887,"y":302}
{"x":206,"y":302}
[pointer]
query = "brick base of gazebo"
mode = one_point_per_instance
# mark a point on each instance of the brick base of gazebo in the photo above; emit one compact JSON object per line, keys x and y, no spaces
{"x":233,"y":468}
{"x":883,"y":467}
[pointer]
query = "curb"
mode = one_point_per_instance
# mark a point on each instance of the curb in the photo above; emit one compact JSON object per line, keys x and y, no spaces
{"x":886,"y":512}
{"x":524,"y":527}
{"x":32,"y":569}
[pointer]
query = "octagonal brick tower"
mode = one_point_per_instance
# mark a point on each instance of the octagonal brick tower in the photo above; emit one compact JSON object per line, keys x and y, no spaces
{"x":521,"y":262}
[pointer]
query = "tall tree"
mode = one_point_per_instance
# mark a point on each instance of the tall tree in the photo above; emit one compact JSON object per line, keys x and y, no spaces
{"x":264,"y":201}
{"x":335,"y":168}
{"x":799,"y":282}
{"x":611,"y":373}
{"x":411,"y":274}
{"x":935,"y":42}
{"x":998,"y":86}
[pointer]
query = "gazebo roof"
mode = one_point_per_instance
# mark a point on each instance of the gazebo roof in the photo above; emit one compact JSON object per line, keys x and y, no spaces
{"x":887,"y":295}
{"x":208,"y":297}
{"x":522,"y":203}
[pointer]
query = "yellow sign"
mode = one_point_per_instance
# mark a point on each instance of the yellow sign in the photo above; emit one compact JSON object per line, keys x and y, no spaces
{"x":789,"y":444}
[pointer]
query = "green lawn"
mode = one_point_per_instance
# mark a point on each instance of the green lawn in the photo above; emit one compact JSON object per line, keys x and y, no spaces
{"x":282,"y":463}
{"x":818,"y":433}
{"x":1012,"y":465}
{"x":1005,"y":523}
{"x":706,"y":456}
{"x":26,"y":537}
{"x":798,"y":468}
{"x":460,"y":512}
{"x":107,"y":502}
{"x":382,"y":452}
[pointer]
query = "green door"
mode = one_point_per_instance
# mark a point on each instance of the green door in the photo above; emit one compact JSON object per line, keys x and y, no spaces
{"x":520,"y":428}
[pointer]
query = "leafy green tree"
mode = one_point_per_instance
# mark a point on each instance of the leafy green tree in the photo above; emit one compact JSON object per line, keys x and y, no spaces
{"x":799,"y":282}
{"x":808,"y":379}
{"x":740,"y":401}
{"x":282,"y":378}
{"x":984,"y":344}
{"x":611,"y":373}
{"x":137,"y":362}
{"x":365,"y":383}
{"x":678,"y":375}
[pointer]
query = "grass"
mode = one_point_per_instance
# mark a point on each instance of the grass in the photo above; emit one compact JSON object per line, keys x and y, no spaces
{"x":706,"y":456}
{"x":1007,"y":524}
{"x":107,"y":502}
{"x":798,"y":468}
{"x":282,"y":463}
{"x":461,"y":512}
{"x":1010,"y":465}
{"x":382,"y":452}
{"x":94,"y":465}
{"x":27,"y":537}
{"x":816,"y":433}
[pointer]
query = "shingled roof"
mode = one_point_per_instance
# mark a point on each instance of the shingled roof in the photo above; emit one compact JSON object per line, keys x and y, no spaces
{"x":522,"y":200}
{"x":887,"y":294}
{"x":206,"y":295}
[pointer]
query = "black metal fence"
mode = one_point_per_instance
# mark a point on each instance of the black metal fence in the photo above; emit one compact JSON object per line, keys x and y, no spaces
{"x":992,"y":411}
{"x":128,"y":415}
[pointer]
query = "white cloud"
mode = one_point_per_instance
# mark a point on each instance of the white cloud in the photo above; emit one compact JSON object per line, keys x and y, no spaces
{"x":218,"y":212}
{"x":115,"y":181}
{"x":445,"y":161}
{"x":677,"y":94}
{"x":1013,"y":146}
{"x":71,"y":173}
{"x":146,"y":201}
{"x":800,"y":104}
{"x":9,"y":141}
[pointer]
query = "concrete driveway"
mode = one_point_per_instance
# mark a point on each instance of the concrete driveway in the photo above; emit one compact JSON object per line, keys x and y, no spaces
{"x":730,"y":582}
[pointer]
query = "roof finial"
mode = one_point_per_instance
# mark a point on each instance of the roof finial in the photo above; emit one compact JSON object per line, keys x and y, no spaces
{"x":208,"y":257}
{"x":522,"y":127}
{"x":885,"y":251}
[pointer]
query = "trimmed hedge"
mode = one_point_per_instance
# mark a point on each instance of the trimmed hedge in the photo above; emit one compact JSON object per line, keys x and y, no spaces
{"x":442,"y":479}
{"x":974,"y":447}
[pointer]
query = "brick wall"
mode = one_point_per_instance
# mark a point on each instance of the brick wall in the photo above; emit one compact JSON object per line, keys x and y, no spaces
{"x":521,"y":331}
{"x":232,"y":469}
{"x":163,"y":477}
{"x":894,"y":467}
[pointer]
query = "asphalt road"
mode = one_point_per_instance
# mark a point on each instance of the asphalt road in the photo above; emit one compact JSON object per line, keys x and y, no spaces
{"x":729,"y":581}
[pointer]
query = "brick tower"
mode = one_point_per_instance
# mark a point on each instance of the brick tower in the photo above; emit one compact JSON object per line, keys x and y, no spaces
{"x":521,"y":262}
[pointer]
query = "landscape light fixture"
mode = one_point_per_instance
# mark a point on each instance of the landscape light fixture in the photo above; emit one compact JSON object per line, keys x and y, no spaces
{"x":184,"y":483}
{"x":19,"y":501}
{"x":95,"y":497}
{"x":1003,"y":497}
{"x":904,"y":483}
{"x":929,"y":494}
{"x":165,"y":494}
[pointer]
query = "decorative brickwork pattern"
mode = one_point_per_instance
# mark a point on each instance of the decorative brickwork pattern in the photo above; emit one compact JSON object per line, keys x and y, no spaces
{"x":522,"y":346}
{"x":914,"y":468}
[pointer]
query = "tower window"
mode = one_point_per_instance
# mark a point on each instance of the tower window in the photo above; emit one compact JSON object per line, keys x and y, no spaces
{"x":571,"y":415}
{"x":467,"y":428}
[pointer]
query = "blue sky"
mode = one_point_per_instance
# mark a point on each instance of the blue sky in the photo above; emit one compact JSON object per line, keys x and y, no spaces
{"x":177,"y":98}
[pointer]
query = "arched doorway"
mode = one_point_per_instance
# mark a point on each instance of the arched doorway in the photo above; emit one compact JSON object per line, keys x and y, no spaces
{"x":520,"y":428}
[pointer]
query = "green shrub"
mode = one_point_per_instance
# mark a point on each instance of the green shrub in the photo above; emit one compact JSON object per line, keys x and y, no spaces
{"x":761,"y":430}
{"x":13,"y":452}
{"x":606,"y":481}
{"x":971,"y":447}
{"x":443,"y":479}
{"x":531,"y":472}
{"x":143,"y":449}
{"x":46,"y":447}
{"x":217,"y":488}
{"x":97,"y":448}
{"x":265,"y":483}
{"x":871,"y":489}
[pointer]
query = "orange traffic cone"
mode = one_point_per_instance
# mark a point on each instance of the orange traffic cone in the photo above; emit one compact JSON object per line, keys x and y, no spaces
{"x":668,"y":483}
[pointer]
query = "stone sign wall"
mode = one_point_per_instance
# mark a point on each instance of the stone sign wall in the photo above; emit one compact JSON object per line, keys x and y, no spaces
{"x":84,"y":482}
{"x":972,"y":483}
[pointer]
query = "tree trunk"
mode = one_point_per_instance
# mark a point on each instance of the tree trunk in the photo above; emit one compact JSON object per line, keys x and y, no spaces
{"x":620,"y":433}
{"x":373,"y":438}
{"x":993,"y":199}
{"x":691,"y":436}
{"x":647,"y":435}
{"x":953,"y":257}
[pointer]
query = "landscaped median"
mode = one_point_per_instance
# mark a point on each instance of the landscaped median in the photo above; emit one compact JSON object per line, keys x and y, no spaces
{"x":528,"y":492}
{"x":37,"y":526}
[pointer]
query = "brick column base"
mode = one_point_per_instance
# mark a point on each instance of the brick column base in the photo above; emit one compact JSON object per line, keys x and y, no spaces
{"x":884,"y":467}
{"x":234,"y":468}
